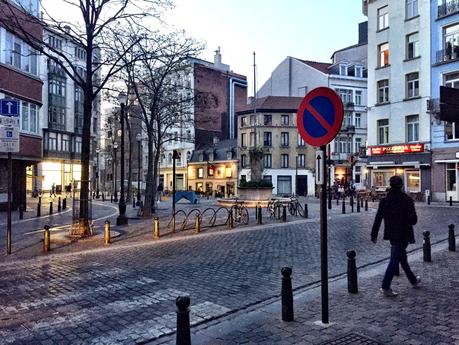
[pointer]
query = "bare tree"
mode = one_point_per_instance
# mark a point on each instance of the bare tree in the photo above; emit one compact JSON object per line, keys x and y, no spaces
{"x":102,"y":21}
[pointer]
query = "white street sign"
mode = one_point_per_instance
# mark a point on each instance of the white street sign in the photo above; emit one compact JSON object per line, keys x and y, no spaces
{"x":319,"y":167}
{"x":9,"y":121}
{"x":9,"y":139}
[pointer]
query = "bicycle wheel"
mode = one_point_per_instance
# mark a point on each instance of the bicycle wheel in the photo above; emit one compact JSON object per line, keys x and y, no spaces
{"x":292,"y":208}
{"x":244,"y":216}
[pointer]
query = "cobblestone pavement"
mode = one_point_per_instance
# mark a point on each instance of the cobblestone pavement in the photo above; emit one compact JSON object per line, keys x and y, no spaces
{"x":428,"y":315}
{"x":126,"y":293}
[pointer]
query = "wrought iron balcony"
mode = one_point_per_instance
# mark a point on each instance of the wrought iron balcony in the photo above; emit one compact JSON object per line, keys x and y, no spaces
{"x":447,"y":8}
{"x":349,"y":105}
{"x":446,"y":55}
{"x":433,"y":105}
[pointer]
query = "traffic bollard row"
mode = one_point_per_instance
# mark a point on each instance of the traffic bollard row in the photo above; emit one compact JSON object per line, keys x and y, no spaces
{"x":287,"y":294}
{"x":46,"y":239}
{"x":451,"y":238}
{"x":426,"y":247}
{"x":107,"y":232}
{"x":183,"y":335}
{"x":352,"y":286}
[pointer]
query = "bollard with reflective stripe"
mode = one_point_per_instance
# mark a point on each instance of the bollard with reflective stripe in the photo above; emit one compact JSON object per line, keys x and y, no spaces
{"x":451,"y":238}
{"x":426,"y":247}
{"x":155,"y":228}
{"x":287,"y":294}
{"x":197,"y":224}
{"x":107,"y":232}
{"x":46,"y":239}
{"x":352,"y":286}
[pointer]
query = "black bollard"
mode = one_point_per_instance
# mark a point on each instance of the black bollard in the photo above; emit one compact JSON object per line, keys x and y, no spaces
{"x":21,"y":212}
{"x":450,"y":201}
{"x":64,"y":204}
{"x":306,"y":211}
{"x":278,"y":212}
{"x":451,"y":238}
{"x":352,"y":286}
{"x":260,"y":217}
{"x":39,"y":199}
{"x":287,"y":294}
{"x":133,"y":202}
{"x":59,"y":205}
{"x":426,"y":247}
{"x":329,"y":201}
{"x":183,"y":336}
{"x":366,"y":204}
{"x":358,"y":205}
{"x":344,"y":207}
{"x":428,"y":200}
{"x":337,"y":200}
{"x":111,"y":198}
{"x":38,"y":210}
{"x":51,"y":208}
{"x":352,"y":205}
{"x":103,"y":196}
{"x":284,"y":213}
{"x":361,"y":202}
{"x":256,"y":211}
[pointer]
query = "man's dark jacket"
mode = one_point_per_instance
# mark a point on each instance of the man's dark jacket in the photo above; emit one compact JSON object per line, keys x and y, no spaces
{"x":397,"y":210}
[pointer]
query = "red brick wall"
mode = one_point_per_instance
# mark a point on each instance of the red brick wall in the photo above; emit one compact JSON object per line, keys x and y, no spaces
{"x":21,"y":24}
{"x":18,"y":85}
{"x":30,"y":147}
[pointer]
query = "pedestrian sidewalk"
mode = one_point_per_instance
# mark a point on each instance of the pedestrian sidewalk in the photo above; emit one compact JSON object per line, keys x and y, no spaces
{"x":428,"y":315}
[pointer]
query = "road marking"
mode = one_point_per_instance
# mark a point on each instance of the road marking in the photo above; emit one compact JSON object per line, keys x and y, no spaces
{"x":35,"y":218}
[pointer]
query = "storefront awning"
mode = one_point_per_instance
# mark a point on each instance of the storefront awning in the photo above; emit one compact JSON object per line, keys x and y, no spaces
{"x":447,"y":161}
{"x":377,"y":165}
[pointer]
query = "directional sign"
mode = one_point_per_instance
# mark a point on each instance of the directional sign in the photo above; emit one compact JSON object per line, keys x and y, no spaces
{"x":9,"y":121}
{"x":320,"y":116}
{"x":319,"y":167}
{"x":9,"y":107}
{"x":9,"y":139}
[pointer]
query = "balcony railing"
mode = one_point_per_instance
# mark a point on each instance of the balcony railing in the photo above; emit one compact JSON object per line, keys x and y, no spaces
{"x":349,"y":105}
{"x":448,"y":8}
{"x":433,"y":105}
{"x":446,"y":55}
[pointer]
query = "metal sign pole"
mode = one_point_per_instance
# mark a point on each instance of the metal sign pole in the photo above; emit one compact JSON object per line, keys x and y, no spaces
{"x":10,"y":187}
{"x":323,"y":239}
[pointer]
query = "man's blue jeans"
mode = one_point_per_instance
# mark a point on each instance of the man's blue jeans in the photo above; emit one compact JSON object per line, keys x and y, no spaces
{"x":397,"y":257}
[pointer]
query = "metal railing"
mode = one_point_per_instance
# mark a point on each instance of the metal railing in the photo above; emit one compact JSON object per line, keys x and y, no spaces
{"x":445,"y":55}
{"x":448,"y":8}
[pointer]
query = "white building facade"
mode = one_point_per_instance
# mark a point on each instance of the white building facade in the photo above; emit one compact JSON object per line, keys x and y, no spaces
{"x":399,"y":86}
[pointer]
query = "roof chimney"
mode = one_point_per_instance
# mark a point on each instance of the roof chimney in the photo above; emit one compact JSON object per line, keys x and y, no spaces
{"x":218,"y":57}
{"x":67,"y":29}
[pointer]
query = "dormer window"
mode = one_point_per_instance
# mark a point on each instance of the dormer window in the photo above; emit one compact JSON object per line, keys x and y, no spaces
{"x":342,"y":69}
{"x":358,"y":71}
{"x":201,"y":157}
{"x":229,"y":155}
{"x":211,"y":157}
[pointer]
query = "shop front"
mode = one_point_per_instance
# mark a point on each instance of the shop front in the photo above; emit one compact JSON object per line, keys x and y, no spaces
{"x":446,"y":172}
{"x":409,"y":161}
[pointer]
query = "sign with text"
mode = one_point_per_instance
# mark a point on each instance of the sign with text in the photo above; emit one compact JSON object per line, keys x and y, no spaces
{"x":9,"y":139}
{"x":396,"y":149}
{"x":9,"y":121}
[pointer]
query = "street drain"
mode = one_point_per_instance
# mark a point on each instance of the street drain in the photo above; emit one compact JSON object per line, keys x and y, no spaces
{"x":351,"y":339}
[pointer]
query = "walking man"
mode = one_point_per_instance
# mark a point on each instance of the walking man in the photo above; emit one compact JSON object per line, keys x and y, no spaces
{"x":397,"y":210}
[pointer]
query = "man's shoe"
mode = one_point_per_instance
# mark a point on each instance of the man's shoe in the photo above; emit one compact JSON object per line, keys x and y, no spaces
{"x":388,"y":292}
{"x":416,"y":285}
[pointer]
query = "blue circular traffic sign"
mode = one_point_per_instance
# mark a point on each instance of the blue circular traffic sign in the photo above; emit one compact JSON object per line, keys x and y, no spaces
{"x":320,"y":116}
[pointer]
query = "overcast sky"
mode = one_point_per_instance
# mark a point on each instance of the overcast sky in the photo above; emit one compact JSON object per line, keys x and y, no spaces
{"x":274,"y":29}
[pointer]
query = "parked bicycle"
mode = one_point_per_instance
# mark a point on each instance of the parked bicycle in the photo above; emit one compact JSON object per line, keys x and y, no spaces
{"x":240,"y":212}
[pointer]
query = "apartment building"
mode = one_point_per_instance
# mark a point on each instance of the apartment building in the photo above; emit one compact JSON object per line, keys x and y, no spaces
{"x":444,"y":26}
{"x":20,"y":80}
{"x":399,"y":86}
{"x":288,"y":162}
{"x":61,"y":119}
{"x":218,"y":93}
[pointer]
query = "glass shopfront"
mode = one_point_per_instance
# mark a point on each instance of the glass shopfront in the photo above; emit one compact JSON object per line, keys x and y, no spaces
{"x":452,"y":172}
{"x":411,"y":178}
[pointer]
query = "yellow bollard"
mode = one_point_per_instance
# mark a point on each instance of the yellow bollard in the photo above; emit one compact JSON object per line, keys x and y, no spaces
{"x":107,"y":233}
{"x":197,"y":224}
{"x":156,"y":228}
{"x":46,"y":239}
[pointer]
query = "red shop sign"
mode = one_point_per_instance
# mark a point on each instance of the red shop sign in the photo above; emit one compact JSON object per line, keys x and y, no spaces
{"x":405,"y":148}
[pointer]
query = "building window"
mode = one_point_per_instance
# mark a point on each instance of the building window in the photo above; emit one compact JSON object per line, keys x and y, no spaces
{"x":284,"y":185}
{"x":452,"y":80}
{"x":285,"y":120}
{"x":252,"y":119}
{"x":200,"y":172}
{"x":284,"y":139}
{"x":451,"y":131}
{"x":358,"y":71}
{"x":451,"y":177}
{"x":188,"y":136}
{"x":412,"y":45}
{"x":411,"y":8}
{"x":301,"y":161}
{"x":451,"y":41}
{"x":381,"y":178}
{"x":383,"y":91}
{"x":20,"y":54}
{"x":65,"y":143}
{"x":267,"y":161}
{"x":358,"y":120}
{"x":413,"y":181}
{"x":357,"y":144}
{"x":358,"y":97}
{"x":342,"y":69}
{"x":80,"y":54}
{"x":412,"y":85}
{"x":243,"y":140}
{"x":267,"y":139}
{"x":383,"y":131}
{"x":29,"y":117}
{"x":243,"y":161}
{"x":55,"y":42}
{"x":383,"y":55}
{"x":347,"y":119}
{"x":267,"y":120}
{"x":243,"y":121}
{"x":284,"y":160}
{"x":252,"y":139}
{"x":383,"y":17}
{"x":301,"y":140}
{"x":345,"y":95}
{"x":357,"y":174}
{"x":52,"y":141}
{"x":268,"y":178}
{"x":412,"y":128}
{"x":78,"y":143}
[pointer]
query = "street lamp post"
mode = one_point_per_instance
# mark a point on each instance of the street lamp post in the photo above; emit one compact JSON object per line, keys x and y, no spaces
{"x":97,"y":175}
{"x":139,"y":143}
{"x":174,"y":157}
{"x":115,"y":148}
{"x":122,"y":219}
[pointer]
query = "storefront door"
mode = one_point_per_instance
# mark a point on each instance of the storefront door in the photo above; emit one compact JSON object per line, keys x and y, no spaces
{"x":452,"y":173}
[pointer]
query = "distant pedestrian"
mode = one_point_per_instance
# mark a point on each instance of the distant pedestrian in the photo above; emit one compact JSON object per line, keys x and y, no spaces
{"x":53,"y":190}
{"x":159,"y":191}
{"x":397,"y":210}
